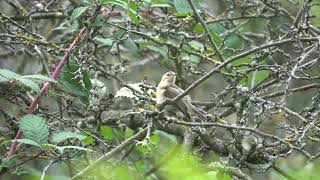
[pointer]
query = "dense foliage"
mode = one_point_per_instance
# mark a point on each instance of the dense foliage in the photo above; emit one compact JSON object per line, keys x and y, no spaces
{"x":78,"y":87}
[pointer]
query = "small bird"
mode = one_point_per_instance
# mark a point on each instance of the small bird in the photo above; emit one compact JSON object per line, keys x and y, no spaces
{"x":167,"y":89}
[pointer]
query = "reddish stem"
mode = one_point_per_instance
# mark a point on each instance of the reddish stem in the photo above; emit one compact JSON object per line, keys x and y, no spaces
{"x":44,"y":89}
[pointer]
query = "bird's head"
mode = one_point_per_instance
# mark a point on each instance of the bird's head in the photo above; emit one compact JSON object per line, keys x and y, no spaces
{"x":169,"y":77}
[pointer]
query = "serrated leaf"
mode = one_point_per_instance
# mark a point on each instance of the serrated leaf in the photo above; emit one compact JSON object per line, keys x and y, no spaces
{"x":87,"y":80}
{"x":39,"y":77}
{"x":216,"y":27}
{"x":130,"y":44}
{"x":155,"y":139}
{"x":3,"y":79}
{"x":62,"y":148}
{"x":196,"y":45}
{"x":27,"y":141}
{"x":98,"y":22}
{"x":122,"y":4}
{"x":115,"y":2}
{"x":160,"y":50}
{"x":78,"y":148}
{"x":214,"y":32}
{"x":71,"y":83}
{"x":107,"y":133}
{"x":78,"y":12}
{"x":258,"y":76}
{"x":61,"y":136}
{"x":233,"y":41}
{"x":244,"y":60}
{"x":88,"y":139}
{"x":63,"y":26}
{"x":7,"y":75}
{"x":29,"y":83}
{"x":129,"y":132}
{"x":195,"y":59}
{"x":75,"y":26}
{"x":104,"y":41}
{"x":7,"y":163}
{"x":161,"y":6}
{"x":34,"y":128}
{"x":183,"y":7}
{"x":215,"y":37}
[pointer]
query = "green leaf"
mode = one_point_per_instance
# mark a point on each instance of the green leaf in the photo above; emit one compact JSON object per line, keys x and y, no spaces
{"x":244,"y":60}
{"x":115,"y":2}
{"x":72,"y":83}
{"x":107,"y":133}
{"x":52,"y":93}
{"x":258,"y":76}
{"x":104,"y":41}
{"x":27,"y":141}
{"x":87,"y":80}
{"x":3,"y":79}
{"x":161,"y":5}
{"x":216,"y":27}
{"x":133,"y":12}
{"x":233,"y":41}
{"x":129,"y":132}
{"x":61,"y":136}
{"x":32,"y":81}
{"x":119,"y":33}
{"x":122,"y":4}
{"x":78,"y":12}
{"x":7,"y":163}
{"x":7,"y":75}
{"x":196,"y":45}
{"x":130,"y":44}
{"x":184,"y":166}
{"x":142,"y":149}
{"x":34,"y":128}
{"x":123,"y":172}
{"x":39,"y":77}
{"x":98,"y":22}
{"x":63,"y":26}
{"x":182,"y":6}
{"x":75,"y":26}
{"x":77,"y":148}
{"x":155,"y":139}
{"x":213,"y":32}
{"x":195,"y":59}
{"x":215,"y":37}
{"x":160,"y":50}
{"x":62,"y":148}
{"x":29,"y":83}
{"x":88,"y":139}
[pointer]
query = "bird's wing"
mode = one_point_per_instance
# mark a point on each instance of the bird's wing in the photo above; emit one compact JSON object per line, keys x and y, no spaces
{"x":184,"y":103}
{"x":172,"y":92}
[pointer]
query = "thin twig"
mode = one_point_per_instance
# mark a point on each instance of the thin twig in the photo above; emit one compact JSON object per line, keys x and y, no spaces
{"x":45,"y":88}
{"x":111,"y":153}
{"x":45,"y":169}
{"x":206,"y":29}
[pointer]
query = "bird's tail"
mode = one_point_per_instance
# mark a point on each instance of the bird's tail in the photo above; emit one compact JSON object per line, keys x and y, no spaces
{"x":200,"y":113}
{"x":204,"y":116}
